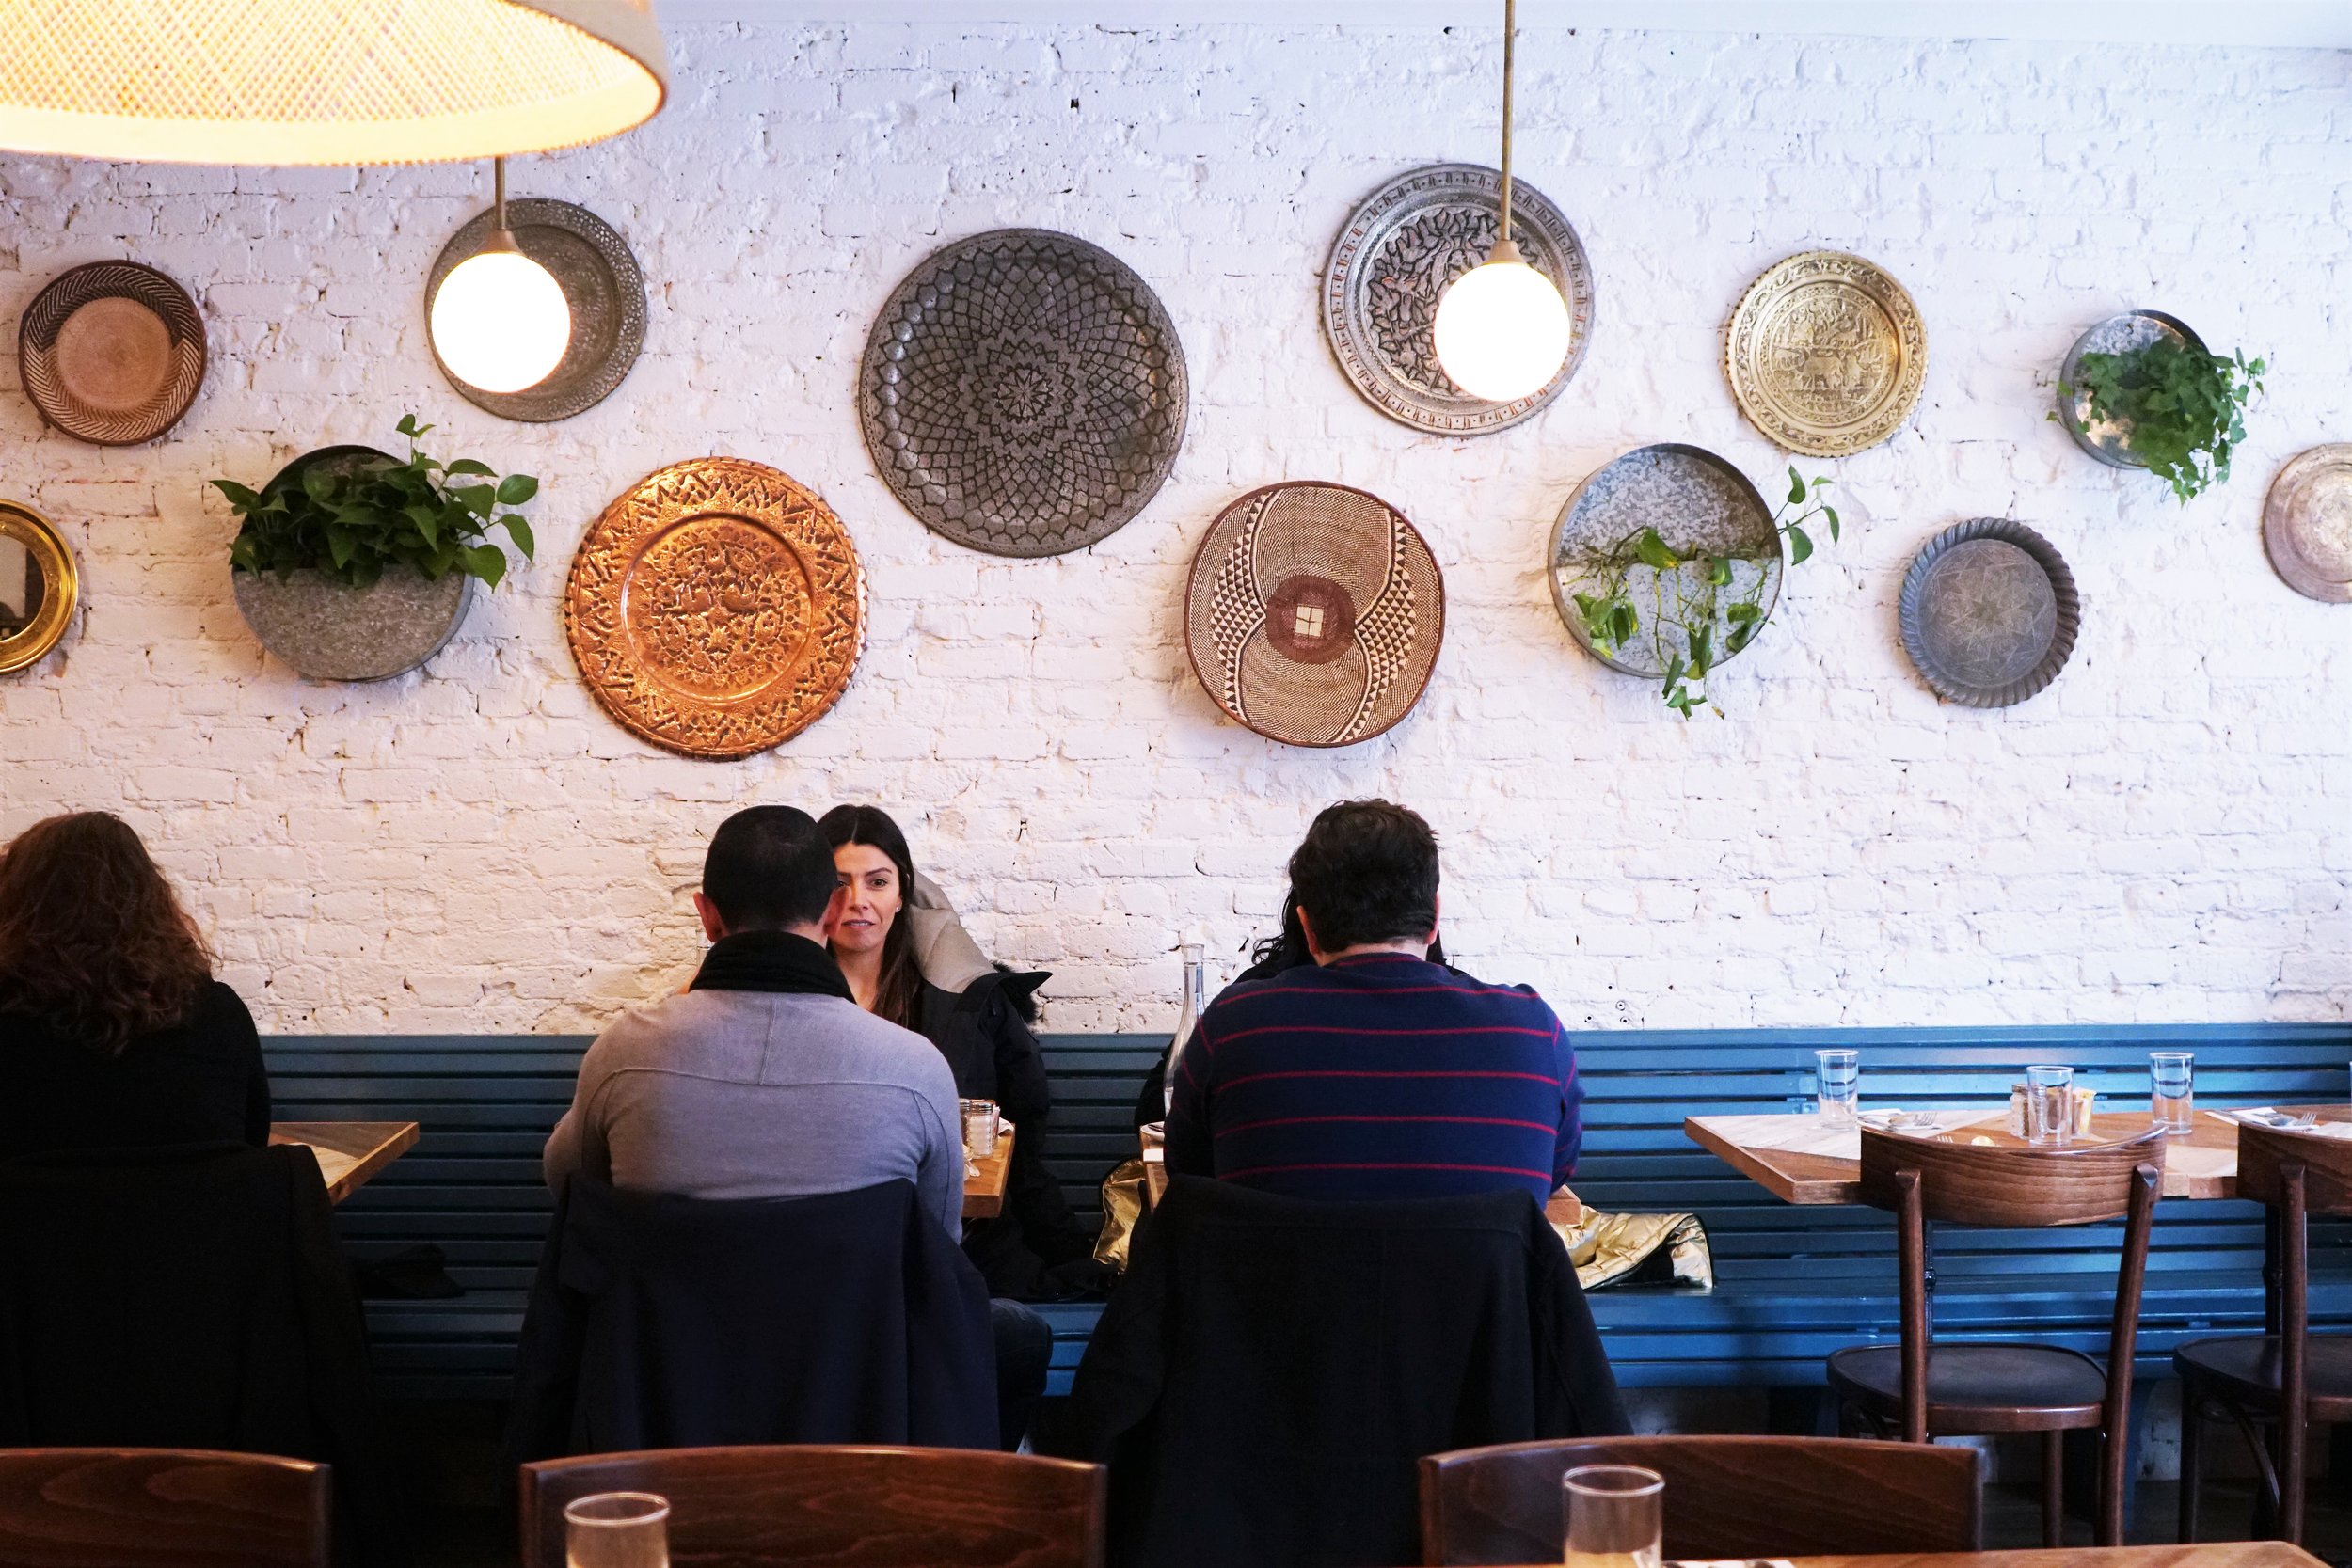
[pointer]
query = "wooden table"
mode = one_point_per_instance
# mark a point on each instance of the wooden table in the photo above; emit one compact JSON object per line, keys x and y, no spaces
{"x":2200,"y":1163}
{"x":2208,"y":1554}
{"x":984,"y":1179}
{"x":349,"y":1152}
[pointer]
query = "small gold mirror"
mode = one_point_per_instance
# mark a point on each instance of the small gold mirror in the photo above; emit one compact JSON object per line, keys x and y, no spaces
{"x":38,"y":586}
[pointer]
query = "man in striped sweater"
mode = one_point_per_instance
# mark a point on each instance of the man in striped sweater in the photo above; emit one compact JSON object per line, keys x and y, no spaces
{"x":1376,"y":1073}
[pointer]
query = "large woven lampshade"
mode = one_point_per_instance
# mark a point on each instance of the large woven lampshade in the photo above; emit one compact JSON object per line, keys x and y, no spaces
{"x":323,"y":81}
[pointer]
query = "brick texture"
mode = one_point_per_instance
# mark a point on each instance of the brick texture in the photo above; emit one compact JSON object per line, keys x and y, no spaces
{"x":2165,"y":834}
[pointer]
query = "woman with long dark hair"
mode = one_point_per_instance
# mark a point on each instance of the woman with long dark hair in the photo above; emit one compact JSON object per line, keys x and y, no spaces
{"x":112,"y":1032}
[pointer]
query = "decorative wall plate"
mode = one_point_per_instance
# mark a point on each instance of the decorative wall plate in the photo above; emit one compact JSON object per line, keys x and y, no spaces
{"x":1826,"y":354}
{"x":599,"y":274}
{"x":38,"y":587}
{"x":111,"y":352}
{"x":1989,"y":613}
{"x":2307,"y":523}
{"x":1314,"y":613}
{"x":1395,"y":256}
{"x":1700,"y":505}
{"x":716,"y":607}
{"x":2108,"y":440}
{"x":1023,"y":392}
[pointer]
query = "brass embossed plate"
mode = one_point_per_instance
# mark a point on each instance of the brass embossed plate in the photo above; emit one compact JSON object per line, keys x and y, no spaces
{"x":38,"y":587}
{"x":1395,"y":256}
{"x":1826,"y":354}
{"x":2307,"y":523}
{"x":1314,"y":613}
{"x":111,"y":352}
{"x":717,"y":608}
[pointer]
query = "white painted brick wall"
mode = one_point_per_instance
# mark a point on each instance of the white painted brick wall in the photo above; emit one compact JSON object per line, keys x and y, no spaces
{"x":2166,"y":834}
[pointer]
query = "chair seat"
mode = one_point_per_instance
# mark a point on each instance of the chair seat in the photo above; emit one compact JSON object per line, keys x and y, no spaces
{"x":1978,"y":1388}
{"x":2246,"y":1368}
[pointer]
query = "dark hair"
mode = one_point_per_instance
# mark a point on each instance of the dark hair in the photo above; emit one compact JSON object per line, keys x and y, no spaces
{"x":901,"y":981}
{"x":1367,"y":871}
{"x":769,"y":868}
{"x":92,"y":942}
{"x":1287,"y":948}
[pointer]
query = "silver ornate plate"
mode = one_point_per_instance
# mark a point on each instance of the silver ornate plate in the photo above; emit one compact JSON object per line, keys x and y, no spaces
{"x":1023,"y":392}
{"x":1700,"y":506}
{"x":1989,"y":613}
{"x":2108,"y":440}
{"x":593,"y":265}
{"x":2307,"y":523}
{"x":1395,"y":256}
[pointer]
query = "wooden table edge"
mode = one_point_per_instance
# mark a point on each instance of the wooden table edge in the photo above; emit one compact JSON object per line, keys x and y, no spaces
{"x":2202,"y":1554}
{"x":1780,"y":1183}
{"x":994,"y":1174}
{"x":364,"y":1168}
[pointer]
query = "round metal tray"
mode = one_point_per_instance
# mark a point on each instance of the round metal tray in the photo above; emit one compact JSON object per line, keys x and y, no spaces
{"x":2307,"y":523}
{"x":1989,"y":613}
{"x":1826,"y":354}
{"x":599,"y":274}
{"x":2108,"y":440}
{"x":1700,"y":505}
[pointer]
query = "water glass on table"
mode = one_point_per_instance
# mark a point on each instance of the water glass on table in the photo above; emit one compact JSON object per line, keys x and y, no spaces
{"x":979,"y":1127}
{"x":1839,"y":1077}
{"x":2049,"y":1104}
{"x":617,"y":1530}
{"x":1615,"y":1515}
{"x":2172,"y":1099}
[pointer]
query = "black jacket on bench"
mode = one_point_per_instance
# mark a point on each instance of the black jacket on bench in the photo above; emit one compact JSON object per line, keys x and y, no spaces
{"x":1271,"y":1371}
{"x":659,"y":1322}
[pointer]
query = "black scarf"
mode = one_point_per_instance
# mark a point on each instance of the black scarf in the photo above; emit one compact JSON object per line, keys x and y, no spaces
{"x":770,"y":961}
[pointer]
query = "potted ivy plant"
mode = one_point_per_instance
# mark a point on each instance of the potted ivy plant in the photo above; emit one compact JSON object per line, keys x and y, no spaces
{"x":2141,"y":391}
{"x":1641,"y":603}
{"x":354,"y":565}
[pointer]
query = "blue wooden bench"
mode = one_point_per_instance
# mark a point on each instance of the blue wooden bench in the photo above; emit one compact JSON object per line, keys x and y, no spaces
{"x":1793,"y":1284}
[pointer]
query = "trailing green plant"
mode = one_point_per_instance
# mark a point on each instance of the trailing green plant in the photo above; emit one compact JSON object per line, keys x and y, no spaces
{"x":350,"y":522}
{"x":1695,"y":596}
{"x":2184,"y":407}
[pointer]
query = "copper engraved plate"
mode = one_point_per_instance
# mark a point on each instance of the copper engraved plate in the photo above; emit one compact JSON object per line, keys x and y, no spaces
{"x":2307,"y":523}
{"x":717,"y":608}
{"x":1400,"y":250}
{"x":1314,"y":613}
{"x":1826,"y":354}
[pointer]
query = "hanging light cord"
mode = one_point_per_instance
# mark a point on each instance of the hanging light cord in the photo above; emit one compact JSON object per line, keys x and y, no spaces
{"x":1510,"y":36}
{"x":498,"y":166}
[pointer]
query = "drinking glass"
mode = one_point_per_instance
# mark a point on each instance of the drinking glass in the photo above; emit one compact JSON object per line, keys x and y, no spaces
{"x":2172,"y":1103}
{"x":979,"y":1127}
{"x":1614,"y":1515}
{"x":617,"y":1530}
{"x":2049,"y":1104}
{"x":1840,"y":1074}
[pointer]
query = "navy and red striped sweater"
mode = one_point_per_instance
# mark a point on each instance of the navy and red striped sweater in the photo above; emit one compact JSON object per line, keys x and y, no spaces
{"x":1373,"y":1077}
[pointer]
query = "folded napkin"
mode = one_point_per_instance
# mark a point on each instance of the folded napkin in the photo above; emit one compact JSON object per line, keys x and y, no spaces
{"x":2281,"y":1121}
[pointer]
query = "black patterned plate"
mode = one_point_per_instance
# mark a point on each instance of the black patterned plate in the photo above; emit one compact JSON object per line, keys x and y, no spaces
{"x":1023,"y":392}
{"x":1989,"y":613}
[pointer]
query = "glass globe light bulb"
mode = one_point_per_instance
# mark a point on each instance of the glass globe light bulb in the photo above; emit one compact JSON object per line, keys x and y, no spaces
{"x":499,"y":321}
{"x":1501,"y":330}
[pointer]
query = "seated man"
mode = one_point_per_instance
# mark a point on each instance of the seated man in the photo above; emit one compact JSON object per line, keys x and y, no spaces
{"x":1374,"y":1074}
{"x":765,"y":1079}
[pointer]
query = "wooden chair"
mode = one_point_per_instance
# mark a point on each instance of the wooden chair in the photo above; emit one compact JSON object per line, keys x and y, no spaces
{"x":2254,"y":1379}
{"x":1725,"y":1497}
{"x":160,"y":1508}
{"x":1922,"y":1389}
{"x":878,"y":1508}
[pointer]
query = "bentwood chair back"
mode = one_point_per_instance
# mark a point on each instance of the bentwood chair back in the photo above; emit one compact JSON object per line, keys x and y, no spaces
{"x":160,"y":1508}
{"x":876,"y":1507}
{"x":1985,"y":1389}
{"x":2269,"y":1378}
{"x":1725,"y":1497}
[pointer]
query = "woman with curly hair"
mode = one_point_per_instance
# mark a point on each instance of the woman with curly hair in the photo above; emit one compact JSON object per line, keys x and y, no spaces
{"x":112,"y":1032}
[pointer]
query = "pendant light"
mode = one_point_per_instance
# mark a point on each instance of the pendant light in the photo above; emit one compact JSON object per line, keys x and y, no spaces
{"x":1502,"y":330}
{"x":323,"y":81}
{"x":499,"y":321}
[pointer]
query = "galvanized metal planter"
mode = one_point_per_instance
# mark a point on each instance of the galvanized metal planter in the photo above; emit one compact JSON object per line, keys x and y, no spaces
{"x":333,"y":633}
{"x":2110,"y":441}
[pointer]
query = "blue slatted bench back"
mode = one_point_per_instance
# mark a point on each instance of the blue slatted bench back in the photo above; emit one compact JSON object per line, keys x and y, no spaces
{"x":1793,"y":1284}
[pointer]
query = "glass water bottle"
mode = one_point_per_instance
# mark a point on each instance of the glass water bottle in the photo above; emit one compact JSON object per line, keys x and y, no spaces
{"x":1196,"y":997}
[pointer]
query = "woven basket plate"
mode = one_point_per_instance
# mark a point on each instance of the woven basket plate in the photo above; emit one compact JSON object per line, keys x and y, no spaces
{"x":111,"y":352}
{"x":717,"y":608}
{"x":1314,"y":613}
{"x":1023,"y":392}
{"x":1826,"y":354}
{"x":598,"y":273}
{"x":1395,"y":256}
{"x":2307,"y":523}
{"x":1989,"y":613}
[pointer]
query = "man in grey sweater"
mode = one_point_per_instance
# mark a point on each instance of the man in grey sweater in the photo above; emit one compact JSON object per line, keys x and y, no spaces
{"x":764,"y":1079}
